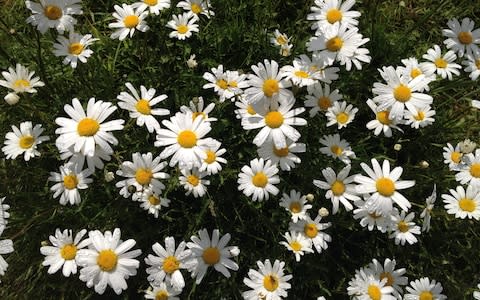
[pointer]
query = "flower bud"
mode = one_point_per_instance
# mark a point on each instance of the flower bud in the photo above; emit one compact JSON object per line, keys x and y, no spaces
{"x":12,"y":98}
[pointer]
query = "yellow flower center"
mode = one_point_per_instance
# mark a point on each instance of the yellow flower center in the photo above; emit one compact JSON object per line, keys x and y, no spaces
{"x":342,"y":118}
{"x":336,"y":150}
{"x":182,"y":29}
{"x":270,"y":282}
{"x":107,"y":260}
{"x":281,"y":39}
{"x":385,"y":186}
{"x":52,"y":12}
{"x":270,"y":87}
{"x":211,"y":255}
{"x":274,"y":119}
{"x":389,"y":277}
{"x":75,"y":48}
{"x":260,"y":180}
{"x":420,"y":116}
{"x":374,"y":215}
{"x":402,"y":93}
{"x":296,"y":246}
{"x":374,"y":292}
{"x":425,"y":295}
{"x":440,"y":63}
{"x":143,"y":107}
{"x":324,"y":103}
{"x":295,"y":207}
{"x":334,"y":44}
{"x":70,"y":182}
{"x":153,"y":200}
{"x":467,"y":204}
{"x":233,"y":84}
{"x":198,"y":113}
{"x":282,"y":152}
{"x":187,"y":139}
{"x":250,"y":110}
{"x":415,"y":72}
{"x":21,"y":83}
{"x":338,"y":188}
{"x":87,"y":127}
{"x":196,"y":9}
{"x":382,"y":117}
{"x":143,"y":176}
{"x":131,"y":21}
{"x":26,"y":141}
{"x":477,"y":63}
{"x":170,"y":264}
{"x":211,"y":157}
{"x":456,"y":157}
{"x":465,"y":37}
{"x":222,"y":84}
{"x":68,"y":252}
{"x":150,"y":2}
{"x":402,"y":226}
{"x":475,"y":170}
{"x":162,"y":294}
{"x":310,"y":230}
{"x":334,"y":15}
{"x":193,"y":180}
{"x":301,"y":74}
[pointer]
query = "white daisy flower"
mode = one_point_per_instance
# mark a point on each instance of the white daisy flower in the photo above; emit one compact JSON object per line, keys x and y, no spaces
{"x":462,"y":38}
{"x":472,"y":65}
{"x":341,"y":114}
{"x":154,"y":6}
{"x":107,"y":261}
{"x":423,"y":288}
{"x":296,"y":204}
{"x":153,"y":202}
{"x":339,"y":188}
{"x":426,"y":213}
{"x":297,"y":243}
{"x":364,"y":286}
{"x":6,"y":246}
{"x":384,"y":184}
{"x":383,"y":122}
{"x":322,"y":71}
{"x":63,"y":251}
{"x":420,"y":118}
{"x":54,"y":14}
{"x":470,"y":170}
{"x":20,"y":80}
{"x":183,"y":26}
{"x":69,"y":181}
{"x":184,"y":139}
{"x":194,"y":182}
{"x":4,"y":215}
{"x":463,"y":203}
{"x":453,"y":157}
{"x":164,"y":291}
{"x":75,"y":48}
{"x":167,"y":263}
{"x":403,"y":229}
{"x":369,"y":218}
{"x":467,"y":146}
{"x":212,"y":253}
{"x":395,"y":278}
{"x":140,"y":106}
{"x":269,"y":282}
{"x":92,"y":162}
{"x":286,"y":50}
{"x":258,"y":179}
{"x":192,"y":62}
{"x":226,"y":84}
{"x":85,"y":130}
{"x":127,"y":21}
{"x":414,"y":69}
{"x":143,"y":173}
{"x":284,"y":157}
{"x":280,"y":39}
{"x":244,"y":110}
{"x":321,"y":98}
{"x":211,"y":163}
{"x":197,"y":108}
{"x":476,"y":294}
{"x":444,"y":65}
{"x":23,"y":140}
{"x":300,"y":73}
{"x":197,"y":7}
{"x":337,"y":148}
{"x":327,"y":13}
{"x":313,"y":230}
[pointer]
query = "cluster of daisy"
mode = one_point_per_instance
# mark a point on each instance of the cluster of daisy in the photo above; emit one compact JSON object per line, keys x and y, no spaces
{"x":383,"y":281}
{"x":282,"y":41}
{"x":6,"y":245}
{"x":20,"y":80}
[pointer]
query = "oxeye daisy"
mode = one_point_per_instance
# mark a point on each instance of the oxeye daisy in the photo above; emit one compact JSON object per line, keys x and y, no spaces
{"x":383,"y":122}
{"x":337,"y":148}
{"x":183,"y":26}
{"x":211,"y":163}
{"x":297,"y":243}
{"x":20,"y":80}
{"x":402,"y":228}
{"x":383,"y":185}
{"x":167,"y":263}
{"x":54,"y":14}
{"x":463,"y":203}
{"x":423,"y":288}
{"x":127,"y":21}
{"x":284,"y":157}
{"x":69,"y":181}
{"x":364,"y":286}
{"x":296,"y":204}
{"x":369,"y":218}
{"x":244,"y":110}
{"x":470,"y":171}
{"x":279,"y":39}
{"x":63,"y":251}
{"x":453,"y":157}
{"x":327,"y":13}
{"x":420,"y":117}
{"x":75,"y":48}
{"x":339,"y":187}
{"x":23,"y":140}
{"x":4,"y":214}
{"x":444,"y":65}
{"x":153,"y":202}
{"x":313,"y":230}
{"x":107,"y":262}
{"x":341,"y":114}
{"x":92,"y":162}
{"x":426,"y":213}
{"x":299,"y":73}
{"x":395,"y":278}
{"x":476,"y":294}
{"x":269,"y":282}
{"x":163,"y":291}
{"x":212,"y":253}
{"x":154,"y":6}
{"x":225,"y":84}
{"x":144,"y":172}
{"x":141,"y":106}
{"x":194,"y":182}
{"x":462,"y":38}
{"x":85,"y":130}
{"x":6,"y":246}
{"x":467,"y":146}
{"x":184,"y":139}
{"x":414,"y":69}
{"x":472,"y":65}
{"x":197,"y":7}
{"x":197,"y":108}
{"x":321,"y":98}
{"x":321,"y":70}
{"x":258,"y":179}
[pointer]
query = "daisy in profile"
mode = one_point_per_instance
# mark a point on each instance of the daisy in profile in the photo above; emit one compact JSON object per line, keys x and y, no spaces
{"x":395,"y":278}
{"x":6,"y":247}
{"x":472,"y":65}
{"x":153,"y":202}
{"x":63,"y":251}
{"x":420,"y":118}
{"x":226,"y":84}
{"x":142,"y":173}
{"x":470,"y":170}
{"x":403,"y":229}
{"x":140,"y":106}
{"x":463,"y":203}
{"x":424,"y":288}
{"x":20,"y":80}
{"x":297,"y":243}
{"x":154,"y":6}
{"x":327,"y":13}
{"x":162,"y":291}
{"x":197,"y":7}
{"x":426,"y":213}
{"x":313,"y":230}
{"x":453,"y":156}
{"x":23,"y":140}
{"x":184,"y":140}
{"x":337,"y":148}
{"x":68,"y":182}
{"x":167,"y":263}
{"x":75,"y":48}
{"x":211,"y":163}
{"x":127,"y":21}
{"x":269,"y":282}
{"x":369,"y":218}
{"x":365,"y":286}
{"x":107,"y":262}
{"x":462,"y":38}
{"x":383,"y":122}
{"x":296,"y":204}
{"x":183,"y":26}
{"x":212,"y":253}
{"x":320,"y":99}
{"x":54,"y":14}
{"x":340,"y":188}
{"x":85,"y":130}
{"x":258,"y":179}
{"x":284,"y":157}
{"x":341,"y":114}
{"x":300,"y":73}
{"x":197,"y":108}
{"x":194,"y":182}
{"x":444,"y":65}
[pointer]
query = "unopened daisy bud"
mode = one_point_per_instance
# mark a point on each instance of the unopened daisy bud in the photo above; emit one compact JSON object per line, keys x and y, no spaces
{"x":424,"y":164}
{"x":195,"y":100}
{"x":109,"y":176}
{"x":234,"y":251}
{"x":310,"y":197}
{"x":401,"y":3}
{"x":191,"y":62}
{"x":12,"y":31}
{"x":12,"y":98}
{"x":467,"y":146}
{"x":323,"y":212}
{"x":44,"y":243}
{"x":397,"y":147}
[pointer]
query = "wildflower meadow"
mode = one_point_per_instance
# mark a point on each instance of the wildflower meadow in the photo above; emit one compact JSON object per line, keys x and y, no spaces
{"x":252,"y":149}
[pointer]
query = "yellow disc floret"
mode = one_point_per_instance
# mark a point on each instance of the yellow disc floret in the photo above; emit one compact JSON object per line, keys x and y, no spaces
{"x":342,"y":118}
{"x":70,"y":182}
{"x":53,"y":12}
{"x":456,"y":157}
{"x":441,"y":63}
{"x":187,"y":139}
{"x":467,"y":204}
{"x":161,"y":295}
{"x":282,"y":152}
{"x":383,"y":117}
{"x":193,"y":180}
{"x":415,"y":72}
{"x":211,"y":157}
{"x":222,"y":84}
{"x":420,"y":116}
{"x":425,"y":295}
{"x":334,"y":44}
{"x":150,"y":2}
{"x":295,"y":207}
{"x":68,"y":251}
{"x":374,"y":292}
{"x":87,"y":127}
{"x":296,"y":246}
{"x":270,"y":282}
{"x":182,"y":29}
{"x":475,"y":170}
{"x":274,"y":119}
{"x":324,"y":103}
{"x":270,"y":87}
{"x":196,"y":9}
{"x":389,"y":277}
{"x":131,"y":21}
{"x":211,"y":255}
{"x":260,"y":180}
{"x":21,"y":83}
{"x":310,"y":230}
{"x":337,"y":150}
{"x":334,"y":15}
{"x":250,"y":110}
{"x":143,"y":176}
{"x":385,"y":186}
{"x":281,"y":39}
{"x":170,"y":264}
{"x":402,"y":93}
{"x":465,"y":37}
{"x":153,"y":200}
{"x":403,"y":226}
{"x":301,"y":74}
{"x":26,"y":141}
{"x":107,"y":260}
{"x":338,"y":188}
{"x":143,"y":107}
{"x":75,"y":48}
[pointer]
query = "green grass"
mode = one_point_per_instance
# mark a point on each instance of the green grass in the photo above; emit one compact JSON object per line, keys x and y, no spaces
{"x":237,"y":37}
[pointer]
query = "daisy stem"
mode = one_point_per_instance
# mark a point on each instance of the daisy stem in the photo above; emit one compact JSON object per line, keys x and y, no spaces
{"x":112,"y":67}
{"x":39,"y":59}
